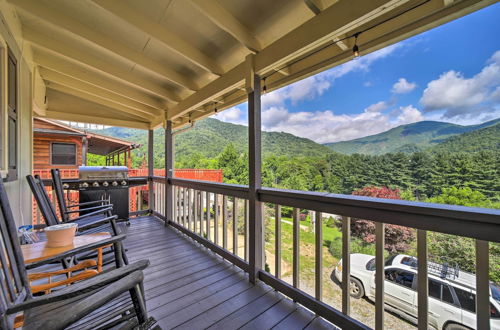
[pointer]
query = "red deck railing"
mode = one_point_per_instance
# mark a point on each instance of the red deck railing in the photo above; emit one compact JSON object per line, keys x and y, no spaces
{"x":138,"y":195}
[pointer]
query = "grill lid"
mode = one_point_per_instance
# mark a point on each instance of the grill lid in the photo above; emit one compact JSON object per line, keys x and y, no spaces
{"x":102,"y":172}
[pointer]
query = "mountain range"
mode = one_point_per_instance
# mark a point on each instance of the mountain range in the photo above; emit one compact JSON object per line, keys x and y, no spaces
{"x":209,"y":137}
{"x":410,"y":138}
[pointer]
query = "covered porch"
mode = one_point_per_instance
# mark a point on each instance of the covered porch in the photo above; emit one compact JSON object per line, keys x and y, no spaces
{"x":168,"y":64}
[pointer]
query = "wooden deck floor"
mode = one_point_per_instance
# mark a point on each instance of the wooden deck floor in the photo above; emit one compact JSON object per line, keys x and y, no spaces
{"x":189,"y":287}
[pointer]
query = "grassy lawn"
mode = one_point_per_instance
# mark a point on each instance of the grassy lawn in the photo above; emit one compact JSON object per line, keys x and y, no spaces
{"x":306,"y":248}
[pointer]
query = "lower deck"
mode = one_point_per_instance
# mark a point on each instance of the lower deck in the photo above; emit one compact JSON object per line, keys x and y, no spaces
{"x":189,"y":287}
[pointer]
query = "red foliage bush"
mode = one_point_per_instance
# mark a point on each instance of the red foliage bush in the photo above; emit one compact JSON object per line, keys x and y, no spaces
{"x":397,"y":238}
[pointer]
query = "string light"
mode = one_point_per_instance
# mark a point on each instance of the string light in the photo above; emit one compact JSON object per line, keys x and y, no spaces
{"x":355,"y":49}
{"x":264,"y":89}
{"x":215,"y":106}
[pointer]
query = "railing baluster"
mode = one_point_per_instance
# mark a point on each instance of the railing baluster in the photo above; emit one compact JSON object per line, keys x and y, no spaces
{"x":296,"y":252}
{"x":177,"y":204}
{"x":201,"y":196}
{"x":235,"y":225}
{"x":423,"y":284}
{"x":216,"y":219}
{"x":482,"y":285}
{"x":318,"y":223}
{"x":207,"y":203}
{"x":184,"y":207}
{"x":277,"y":240}
{"x":195,"y":210}
{"x":190,"y":208}
{"x":224,"y":222}
{"x":346,"y":265}
{"x":379,"y":275}
{"x":246,"y":230}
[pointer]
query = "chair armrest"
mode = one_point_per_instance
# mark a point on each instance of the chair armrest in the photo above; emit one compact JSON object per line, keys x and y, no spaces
{"x":91,"y":214}
{"x":89,"y":203}
{"x":89,"y":208}
{"x":85,"y":286}
{"x":97,"y":223}
{"x":70,"y":253}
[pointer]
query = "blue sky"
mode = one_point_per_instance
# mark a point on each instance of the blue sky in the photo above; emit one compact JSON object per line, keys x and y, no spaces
{"x":451,"y":73}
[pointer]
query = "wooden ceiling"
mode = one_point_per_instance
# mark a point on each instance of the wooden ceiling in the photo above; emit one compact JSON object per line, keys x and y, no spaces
{"x":136,"y":63}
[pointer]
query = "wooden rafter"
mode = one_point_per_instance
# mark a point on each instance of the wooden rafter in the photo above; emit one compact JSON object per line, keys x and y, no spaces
{"x":155,"y":30}
{"x":58,"y":78}
{"x":45,"y":42}
{"x":99,"y":100}
{"x":227,"y":22}
{"x":60,"y":20}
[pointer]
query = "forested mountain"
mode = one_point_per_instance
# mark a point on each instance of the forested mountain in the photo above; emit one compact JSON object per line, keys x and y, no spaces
{"x":406,"y":138}
{"x":482,"y":139}
{"x":209,"y":137}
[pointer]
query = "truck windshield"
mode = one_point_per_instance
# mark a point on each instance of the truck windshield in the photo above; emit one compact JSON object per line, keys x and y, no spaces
{"x":495,"y":292}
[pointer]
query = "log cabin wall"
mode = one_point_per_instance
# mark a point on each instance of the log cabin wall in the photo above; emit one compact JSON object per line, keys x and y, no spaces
{"x":42,"y":145}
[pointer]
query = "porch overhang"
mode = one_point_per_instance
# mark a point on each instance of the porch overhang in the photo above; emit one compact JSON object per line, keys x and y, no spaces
{"x":125,"y":64}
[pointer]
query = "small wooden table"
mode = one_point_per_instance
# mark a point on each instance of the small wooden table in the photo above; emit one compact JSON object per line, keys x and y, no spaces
{"x":40,"y":251}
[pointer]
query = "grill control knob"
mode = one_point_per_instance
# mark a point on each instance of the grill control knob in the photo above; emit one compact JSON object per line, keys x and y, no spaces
{"x":95,"y":184}
{"x":105,"y":184}
{"x":85,"y":185}
{"x":124,"y":183}
{"x":114,"y":183}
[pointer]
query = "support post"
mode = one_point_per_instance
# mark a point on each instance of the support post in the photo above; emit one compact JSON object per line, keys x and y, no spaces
{"x":169,"y":172}
{"x":256,"y":251}
{"x":151,"y":205}
{"x":423,"y":284}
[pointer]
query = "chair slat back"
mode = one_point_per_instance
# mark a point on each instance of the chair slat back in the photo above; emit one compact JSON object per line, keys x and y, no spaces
{"x":14,"y":283}
{"x":58,"y":187}
{"x":42,"y":200}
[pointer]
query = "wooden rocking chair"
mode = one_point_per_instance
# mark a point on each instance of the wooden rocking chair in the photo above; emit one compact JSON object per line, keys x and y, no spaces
{"x":89,"y":209}
{"x":75,"y":305}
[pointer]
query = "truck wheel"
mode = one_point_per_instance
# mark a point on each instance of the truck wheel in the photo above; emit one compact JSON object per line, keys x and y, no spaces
{"x":454,"y":326}
{"x":356,"y":289}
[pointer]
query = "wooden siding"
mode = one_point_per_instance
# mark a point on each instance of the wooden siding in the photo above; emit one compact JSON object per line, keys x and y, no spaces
{"x":42,"y":150}
{"x":42,"y":145}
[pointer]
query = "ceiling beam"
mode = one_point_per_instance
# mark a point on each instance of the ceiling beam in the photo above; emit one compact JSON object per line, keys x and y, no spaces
{"x":337,"y":19}
{"x":63,"y":21}
{"x":58,"y":64}
{"x":227,"y":22}
{"x":49,"y":44}
{"x":61,"y":114}
{"x":53,"y":76}
{"x":175,"y":43}
{"x":315,"y":6}
{"x":99,"y":100}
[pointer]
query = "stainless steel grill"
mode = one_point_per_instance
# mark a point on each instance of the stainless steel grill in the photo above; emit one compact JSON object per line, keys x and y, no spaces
{"x":106,"y":182}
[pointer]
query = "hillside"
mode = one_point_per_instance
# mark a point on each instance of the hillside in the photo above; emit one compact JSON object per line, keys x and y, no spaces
{"x":210,"y":136}
{"x":482,"y":139}
{"x":406,"y":138}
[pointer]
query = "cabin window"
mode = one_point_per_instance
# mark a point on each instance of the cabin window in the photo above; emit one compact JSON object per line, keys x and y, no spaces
{"x":63,"y":154}
{"x":12,"y":117}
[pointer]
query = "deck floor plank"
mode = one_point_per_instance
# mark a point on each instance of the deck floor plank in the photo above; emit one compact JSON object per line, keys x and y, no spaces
{"x":190,"y":287}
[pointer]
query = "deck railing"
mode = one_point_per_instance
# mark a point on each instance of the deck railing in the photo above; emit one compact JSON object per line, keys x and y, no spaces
{"x":215,"y":215}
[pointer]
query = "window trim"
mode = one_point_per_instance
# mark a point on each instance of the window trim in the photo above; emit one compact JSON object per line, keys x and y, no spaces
{"x":67,"y":143}
{"x":12,"y":172}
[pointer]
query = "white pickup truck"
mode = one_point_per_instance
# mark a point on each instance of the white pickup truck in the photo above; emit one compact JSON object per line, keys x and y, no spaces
{"x":452,"y":303}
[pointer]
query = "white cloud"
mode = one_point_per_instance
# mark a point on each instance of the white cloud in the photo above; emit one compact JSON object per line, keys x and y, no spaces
{"x":377,"y":107}
{"x":325,"y":126}
{"x":233,"y":115}
{"x":403,"y":86}
{"x":461,"y":97}
{"x":408,"y":115}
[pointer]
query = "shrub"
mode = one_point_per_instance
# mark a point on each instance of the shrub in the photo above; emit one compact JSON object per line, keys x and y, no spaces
{"x":397,"y":238}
